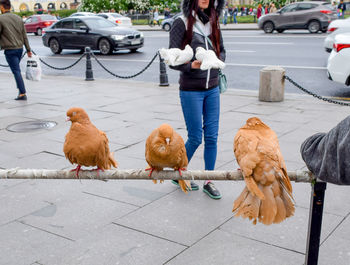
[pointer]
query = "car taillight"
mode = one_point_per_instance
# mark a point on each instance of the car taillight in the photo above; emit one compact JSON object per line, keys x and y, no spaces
{"x":118,"y":21}
{"x":338,"y":47}
{"x":328,"y":12}
{"x":332,"y":29}
{"x":47,"y":23}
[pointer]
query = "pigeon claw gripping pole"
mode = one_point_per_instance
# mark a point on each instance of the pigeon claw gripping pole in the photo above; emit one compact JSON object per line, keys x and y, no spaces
{"x":77,"y":169}
{"x":150,"y":169}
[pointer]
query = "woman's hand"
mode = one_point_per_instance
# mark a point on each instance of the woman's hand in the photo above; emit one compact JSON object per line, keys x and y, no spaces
{"x":196,"y":64}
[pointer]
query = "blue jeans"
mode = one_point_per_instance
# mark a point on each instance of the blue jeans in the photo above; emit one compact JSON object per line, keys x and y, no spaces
{"x":201,"y":110}
{"x":13,"y":58}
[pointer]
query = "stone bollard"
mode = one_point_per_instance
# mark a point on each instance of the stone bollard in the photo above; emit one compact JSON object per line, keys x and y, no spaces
{"x":271,"y":87}
{"x":89,"y":75}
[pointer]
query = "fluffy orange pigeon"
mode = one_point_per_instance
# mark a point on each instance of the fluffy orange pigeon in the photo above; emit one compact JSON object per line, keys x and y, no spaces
{"x":166,"y":148}
{"x":86,"y":145}
{"x":267,"y":196}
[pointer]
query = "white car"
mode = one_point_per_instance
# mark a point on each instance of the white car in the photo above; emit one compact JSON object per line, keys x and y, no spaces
{"x":117,"y":18}
{"x":334,"y":28}
{"x":338,"y":66}
{"x":82,"y":14}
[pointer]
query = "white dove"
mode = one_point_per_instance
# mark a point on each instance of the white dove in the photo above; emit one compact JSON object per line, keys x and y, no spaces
{"x":208,"y":59}
{"x":175,"y":56}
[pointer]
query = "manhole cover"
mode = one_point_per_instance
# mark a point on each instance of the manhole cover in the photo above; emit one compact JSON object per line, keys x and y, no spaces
{"x":28,"y":126}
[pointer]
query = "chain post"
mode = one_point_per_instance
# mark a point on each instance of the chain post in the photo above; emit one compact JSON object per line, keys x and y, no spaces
{"x":315,"y":222}
{"x":163,"y":76}
{"x":89,"y":75}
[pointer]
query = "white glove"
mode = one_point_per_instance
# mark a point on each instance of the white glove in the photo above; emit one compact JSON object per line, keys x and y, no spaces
{"x":176,"y":56}
{"x":208,"y":59}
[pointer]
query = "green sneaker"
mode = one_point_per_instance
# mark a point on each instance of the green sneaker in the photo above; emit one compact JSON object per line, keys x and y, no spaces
{"x":212,"y":192}
{"x":194,"y":186}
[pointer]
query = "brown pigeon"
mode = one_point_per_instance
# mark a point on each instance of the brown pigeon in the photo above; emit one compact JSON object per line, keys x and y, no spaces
{"x":86,"y":145}
{"x":166,"y":148}
{"x":268,"y":192}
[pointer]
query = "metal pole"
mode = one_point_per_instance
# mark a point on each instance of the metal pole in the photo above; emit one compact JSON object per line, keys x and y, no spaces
{"x":163,"y":76}
{"x":315,"y":222}
{"x":89,"y":75}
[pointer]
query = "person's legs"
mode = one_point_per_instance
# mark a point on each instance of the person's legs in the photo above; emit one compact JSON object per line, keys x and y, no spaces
{"x":192,"y":109}
{"x":13,"y":58}
{"x":211,"y":114}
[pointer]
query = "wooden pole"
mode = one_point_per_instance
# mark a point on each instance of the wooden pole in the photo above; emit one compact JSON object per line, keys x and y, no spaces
{"x":16,"y":173}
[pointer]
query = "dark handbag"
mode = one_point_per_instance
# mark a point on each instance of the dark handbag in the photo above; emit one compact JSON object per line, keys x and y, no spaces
{"x":222,"y":76}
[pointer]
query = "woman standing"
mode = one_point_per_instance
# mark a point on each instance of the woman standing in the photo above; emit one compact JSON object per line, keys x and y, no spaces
{"x":199,"y":91}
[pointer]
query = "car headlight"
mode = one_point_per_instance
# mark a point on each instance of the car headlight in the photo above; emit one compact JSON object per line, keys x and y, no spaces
{"x":117,"y":37}
{"x":141,"y":34}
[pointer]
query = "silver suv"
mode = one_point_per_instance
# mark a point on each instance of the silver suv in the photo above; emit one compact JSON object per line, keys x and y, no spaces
{"x":314,"y":16}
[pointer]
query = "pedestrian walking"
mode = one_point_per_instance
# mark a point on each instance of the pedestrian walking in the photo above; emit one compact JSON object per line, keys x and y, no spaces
{"x":273,"y":8}
{"x":235,"y":13}
{"x":230,"y":12}
{"x":12,"y":38}
{"x":341,"y":9}
{"x":156,"y":16}
{"x":225,"y":15}
{"x":199,"y":90}
{"x":266,"y":9}
{"x":259,"y":11}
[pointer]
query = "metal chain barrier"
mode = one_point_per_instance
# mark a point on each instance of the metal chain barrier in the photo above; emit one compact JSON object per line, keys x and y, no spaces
{"x":61,"y":68}
{"x":125,"y":77}
{"x":4,"y":65}
{"x":315,"y":95}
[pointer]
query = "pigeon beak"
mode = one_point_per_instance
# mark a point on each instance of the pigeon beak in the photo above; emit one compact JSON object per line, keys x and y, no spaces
{"x":167,"y":140}
{"x":67,"y":119}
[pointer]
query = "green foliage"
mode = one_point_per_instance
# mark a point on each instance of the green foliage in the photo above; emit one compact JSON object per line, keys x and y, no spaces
{"x":126,"y":5}
{"x":64,"y":13}
{"x":278,"y":3}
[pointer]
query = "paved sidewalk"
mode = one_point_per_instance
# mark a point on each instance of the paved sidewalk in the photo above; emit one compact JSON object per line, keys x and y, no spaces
{"x":137,"y":222}
{"x":239,"y":26}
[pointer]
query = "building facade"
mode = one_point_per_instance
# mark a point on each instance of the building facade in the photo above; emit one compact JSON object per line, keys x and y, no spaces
{"x":39,"y":5}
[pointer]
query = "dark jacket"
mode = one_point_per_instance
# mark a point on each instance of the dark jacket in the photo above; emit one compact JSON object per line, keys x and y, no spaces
{"x":327,"y":155}
{"x":12,"y":32}
{"x":195,"y":79}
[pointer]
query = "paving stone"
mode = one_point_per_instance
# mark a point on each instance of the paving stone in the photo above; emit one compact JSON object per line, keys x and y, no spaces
{"x":113,"y":244}
{"x":184,"y":218}
{"x":334,"y":250}
{"x":223,"y":248}
{"x":77,"y":215}
{"x":23,"y":245}
{"x":290,"y":234}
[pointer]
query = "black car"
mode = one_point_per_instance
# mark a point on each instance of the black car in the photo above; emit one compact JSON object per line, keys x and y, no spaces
{"x":91,"y":31}
{"x":167,"y":23}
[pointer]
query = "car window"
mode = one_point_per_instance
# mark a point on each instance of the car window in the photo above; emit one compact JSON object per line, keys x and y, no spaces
{"x":329,"y":6}
{"x":290,"y":8}
{"x":306,"y":6}
{"x":29,"y":20}
{"x":78,"y":23}
{"x":102,"y":15}
{"x":57,"y":25}
{"x":67,"y":24}
{"x":47,"y":17}
{"x":95,"y":23}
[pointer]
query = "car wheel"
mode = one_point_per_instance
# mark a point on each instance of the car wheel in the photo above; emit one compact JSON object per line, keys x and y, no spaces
{"x":166,"y":27}
{"x":39,"y":32}
{"x":268,"y":27}
{"x":133,"y":50}
{"x":314,"y":26}
{"x":55,"y":46}
{"x":105,"y":47}
{"x":280,"y":30}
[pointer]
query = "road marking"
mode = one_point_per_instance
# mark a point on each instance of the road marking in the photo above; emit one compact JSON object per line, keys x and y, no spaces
{"x":148,"y":60}
{"x":269,"y":36}
{"x":341,"y":98}
{"x":261,"y":43}
{"x":283,"y":66}
{"x":239,"y":51}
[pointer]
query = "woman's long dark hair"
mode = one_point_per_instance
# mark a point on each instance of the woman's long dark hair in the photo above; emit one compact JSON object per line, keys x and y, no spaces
{"x":214,"y":22}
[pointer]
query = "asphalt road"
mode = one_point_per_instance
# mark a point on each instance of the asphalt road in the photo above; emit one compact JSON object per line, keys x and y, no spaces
{"x":300,"y":53}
